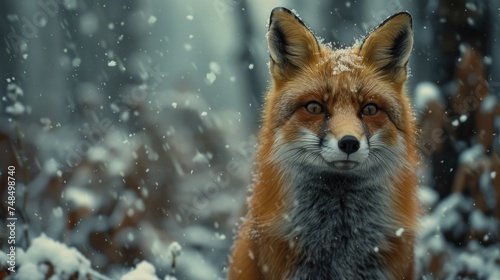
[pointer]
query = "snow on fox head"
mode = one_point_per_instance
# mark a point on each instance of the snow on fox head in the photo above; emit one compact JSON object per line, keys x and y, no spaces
{"x":342,"y":110}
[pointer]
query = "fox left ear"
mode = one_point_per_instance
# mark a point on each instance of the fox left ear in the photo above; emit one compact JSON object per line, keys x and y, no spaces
{"x":388,"y":47}
{"x":292,"y":46}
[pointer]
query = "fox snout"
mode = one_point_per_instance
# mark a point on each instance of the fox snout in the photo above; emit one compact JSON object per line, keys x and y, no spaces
{"x":345,"y":145}
{"x":345,"y":153}
{"x":349,"y":144}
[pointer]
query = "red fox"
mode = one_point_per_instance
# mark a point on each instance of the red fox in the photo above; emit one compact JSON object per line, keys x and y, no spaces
{"x":334,"y":195}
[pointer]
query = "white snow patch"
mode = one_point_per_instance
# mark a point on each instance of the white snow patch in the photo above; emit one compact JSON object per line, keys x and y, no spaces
{"x":472,"y":262}
{"x":470,"y":21}
{"x":114,"y":107}
{"x":471,"y":6}
{"x":143,"y":271}
{"x":3,"y":257}
{"x":436,"y":244}
{"x":215,"y":70}
{"x":470,"y":155}
{"x":112,"y":63}
{"x":452,"y":201}
{"x":57,"y":212}
{"x":487,"y":60}
{"x":15,"y":109}
{"x":51,"y":166}
{"x":70,"y":5}
{"x":76,"y":62}
{"x":495,"y":274}
{"x":480,"y":222}
{"x":174,"y":249}
{"x":214,"y":67}
{"x":426,"y":92}
{"x":81,"y":197}
{"x":97,"y":153}
{"x":344,"y":61}
{"x":202,"y":158}
{"x":211,"y":77}
{"x":488,"y":104}
{"x":400,"y":231}
{"x":429,"y":224}
{"x":65,"y":261}
{"x":427,"y":196}
{"x":30,"y":271}
{"x":449,"y":219}
{"x":14,"y":90}
{"x":152,"y":19}
{"x":220,"y":236}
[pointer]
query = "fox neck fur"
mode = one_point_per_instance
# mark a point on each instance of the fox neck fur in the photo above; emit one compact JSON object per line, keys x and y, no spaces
{"x":340,"y":225}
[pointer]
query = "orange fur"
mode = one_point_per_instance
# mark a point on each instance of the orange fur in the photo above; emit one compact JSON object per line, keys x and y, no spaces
{"x":262,"y":249}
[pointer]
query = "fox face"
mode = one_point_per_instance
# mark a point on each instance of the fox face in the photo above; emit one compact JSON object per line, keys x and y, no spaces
{"x":341,"y":110}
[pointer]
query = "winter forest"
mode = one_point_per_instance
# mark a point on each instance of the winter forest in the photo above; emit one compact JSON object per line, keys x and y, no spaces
{"x":128,"y":131}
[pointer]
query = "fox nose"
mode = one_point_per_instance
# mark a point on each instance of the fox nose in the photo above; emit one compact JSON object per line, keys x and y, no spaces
{"x":349,"y":144}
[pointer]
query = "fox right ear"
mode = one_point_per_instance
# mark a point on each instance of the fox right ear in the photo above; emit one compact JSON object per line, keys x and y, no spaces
{"x":292,"y":45}
{"x":388,"y":47}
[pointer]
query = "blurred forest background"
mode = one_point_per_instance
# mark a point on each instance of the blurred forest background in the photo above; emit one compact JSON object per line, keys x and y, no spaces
{"x":132,"y":126}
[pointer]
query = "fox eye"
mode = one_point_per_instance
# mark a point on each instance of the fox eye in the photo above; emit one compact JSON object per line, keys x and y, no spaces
{"x":314,"y":107}
{"x":369,"y":109}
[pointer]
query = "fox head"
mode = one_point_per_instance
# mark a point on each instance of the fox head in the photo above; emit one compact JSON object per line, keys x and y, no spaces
{"x":338,"y":110}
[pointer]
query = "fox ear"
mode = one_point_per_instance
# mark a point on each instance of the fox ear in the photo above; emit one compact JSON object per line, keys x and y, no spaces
{"x":388,"y":47}
{"x":291,"y":44}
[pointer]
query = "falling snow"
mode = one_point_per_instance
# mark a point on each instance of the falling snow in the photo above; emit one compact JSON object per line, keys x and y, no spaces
{"x":133,"y":131}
